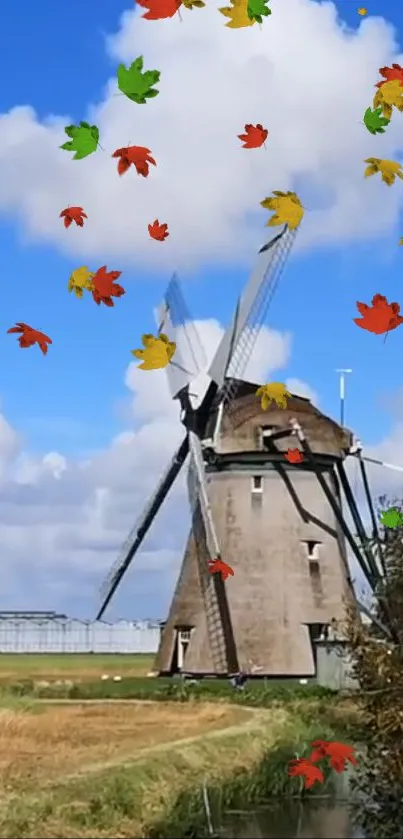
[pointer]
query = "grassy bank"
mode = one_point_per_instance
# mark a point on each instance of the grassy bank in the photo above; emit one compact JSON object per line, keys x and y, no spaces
{"x":135,"y":770}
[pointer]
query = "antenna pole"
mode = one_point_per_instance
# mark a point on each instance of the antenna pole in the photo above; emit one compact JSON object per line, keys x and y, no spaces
{"x":342,"y":374}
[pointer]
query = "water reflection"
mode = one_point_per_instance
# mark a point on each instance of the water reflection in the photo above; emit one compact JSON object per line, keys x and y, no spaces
{"x":292,"y":820}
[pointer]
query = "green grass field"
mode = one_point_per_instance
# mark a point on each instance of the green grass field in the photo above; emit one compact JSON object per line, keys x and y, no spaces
{"x":74,"y":666}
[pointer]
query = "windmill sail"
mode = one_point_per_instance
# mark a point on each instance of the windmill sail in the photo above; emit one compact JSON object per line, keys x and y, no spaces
{"x":239,"y":339}
{"x":174,"y":319}
{"x":139,"y":531}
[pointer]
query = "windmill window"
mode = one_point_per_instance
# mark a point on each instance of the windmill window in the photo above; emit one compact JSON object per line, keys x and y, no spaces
{"x":257,"y":484}
{"x":266,"y":432}
{"x":311,"y":549}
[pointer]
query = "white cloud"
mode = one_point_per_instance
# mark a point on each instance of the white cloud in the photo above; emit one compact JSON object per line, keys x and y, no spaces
{"x":304,"y":75}
{"x":302,"y":389}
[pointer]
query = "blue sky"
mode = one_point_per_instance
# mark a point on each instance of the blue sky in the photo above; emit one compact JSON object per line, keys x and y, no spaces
{"x":74,"y":401}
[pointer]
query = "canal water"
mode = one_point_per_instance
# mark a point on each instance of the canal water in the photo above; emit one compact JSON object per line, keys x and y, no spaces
{"x":292,"y":819}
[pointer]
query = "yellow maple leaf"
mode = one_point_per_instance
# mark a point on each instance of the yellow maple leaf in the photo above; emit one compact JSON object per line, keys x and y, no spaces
{"x":387,"y":168}
{"x":157,"y":352}
{"x":237,"y":13}
{"x":288,"y":209}
{"x":193,"y":4}
{"x":273,"y":392}
{"x":401,"y":241}
{"x":361,"y":11}
{"x":81,"y":279}
{"x":389,"y":95}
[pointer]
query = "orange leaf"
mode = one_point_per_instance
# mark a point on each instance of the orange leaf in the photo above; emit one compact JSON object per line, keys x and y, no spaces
{"x":30,"y":336}
{"x":158,"y":9}
{"x":339,"y":753}
{"x":139,"y":156}
{"x":104,"y":286}
{"x":254,"y":137}
{"x":76,"y":214}
{"x":390,"y":74}
{"x":301,"y":767}
{"x":380,"y":317}
{"x":294,"y":456}
{"x":158,"y":231}
{"x":218,"y":565}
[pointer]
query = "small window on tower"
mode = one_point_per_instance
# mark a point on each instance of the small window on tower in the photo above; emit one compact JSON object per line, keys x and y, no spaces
{"x":265,"y":432}
{"x":257,"y":484}
{"x":311,"y":549}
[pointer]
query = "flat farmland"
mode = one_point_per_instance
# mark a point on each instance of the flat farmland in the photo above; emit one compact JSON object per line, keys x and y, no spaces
{"x":74,"y":666}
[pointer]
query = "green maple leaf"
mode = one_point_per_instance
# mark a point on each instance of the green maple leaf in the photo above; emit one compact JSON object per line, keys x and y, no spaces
{"x":392,"y":517}
{"x":84,"y":139}
{"x":257,"y":8}
{"x":374,"y":121}
{"x":135,"y":84}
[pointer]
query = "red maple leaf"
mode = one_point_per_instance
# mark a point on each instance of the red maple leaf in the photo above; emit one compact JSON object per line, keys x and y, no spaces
{"x":30,"y":336}
{"x":339,"y":753}
{"x":76,"y":214}
{"x":158,"y":9}
{"x":218,"y":565}
{"x":139,"y":156}
{"x":301,"y":767}
{"x":390,"y":74}
{"x":104,"y":286}
{"x":380,"y":317}
{"x":158,"y":231}
{"x":294,"y":456}
{"x":254,"y":137}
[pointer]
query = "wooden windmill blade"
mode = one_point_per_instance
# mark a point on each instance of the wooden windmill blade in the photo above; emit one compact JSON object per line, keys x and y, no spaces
{"x":143,"y":524}
{"x":239,"y":339}
{"x":174,"y":319}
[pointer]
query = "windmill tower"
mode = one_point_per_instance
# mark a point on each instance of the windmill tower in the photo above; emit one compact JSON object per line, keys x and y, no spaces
{"x":280,"y":526}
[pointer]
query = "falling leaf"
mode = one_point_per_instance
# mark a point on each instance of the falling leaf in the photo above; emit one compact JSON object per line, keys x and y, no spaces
{"x":388,"y":96}
{"x":237,"y":13}
{"x":294,"y":456}
{"x":157,"y":353}
{"x":193,"y":4}
{"x":254,"y":137}
{"x":104,"y":286}
{"x":303,"y":768}
{"x":401,"y":241}
{"x":288,"y":209}
{"x":361,"y":11}
{"x":135,"y":84}
{"x":273,"y":392}
{"x":84,"y":139}
{"x":374,"y":121}
{"x":387,"y":168}
{"x":30,"y":336}
{"x":159,"y":9}
{"x":219,"y":566}
{"x":257,"y":10}
{"x":380,"y":316}
{"x":391,"y":73}
{"x":391,"y":517}
{"x":81,"y":279}
{"x":339,"y":753}
{"x":139,"y":156}
{"x":76,"y":214}
{"x":158,"y":231}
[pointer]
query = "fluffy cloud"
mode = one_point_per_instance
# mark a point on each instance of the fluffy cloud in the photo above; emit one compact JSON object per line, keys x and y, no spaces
{"x":304,"y":75}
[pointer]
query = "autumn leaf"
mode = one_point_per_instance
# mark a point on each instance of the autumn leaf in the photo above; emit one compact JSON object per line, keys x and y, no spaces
{"x":391,"y":518}
{"x":219,"y":566}
{"x":401,"y":241}
{"x":81,"y":279}
{"x":361,"y":11}
{"x":303,"y":768}
{"x":30,"y":336}
{"x":388,"y":169}
{"x":339,"y":753}
{"x":294,"y":456}
{"x":159,"y":9}
{"x":390,"y":74}
{"x":84,"y":139}
{"x":139,"y":156}
{"x":71,"y":214}
{"x":258,"y":9}
{"x":273,"y":392}
{"x":193,"y":4}
{"x":254,"y":137}
{"x":288,"y":209}
{"x":157,"y":353}
{"x":135,"y":84}
{"x":380,"y":316}
{"x":158,"y":231}
{"x":374,"y":121}
{"x":237,"y":13}
{"x":388,"y":96}
{"x":104,"y":286}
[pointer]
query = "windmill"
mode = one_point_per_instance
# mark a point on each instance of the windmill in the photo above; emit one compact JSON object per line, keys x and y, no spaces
{"x":280,"y":526}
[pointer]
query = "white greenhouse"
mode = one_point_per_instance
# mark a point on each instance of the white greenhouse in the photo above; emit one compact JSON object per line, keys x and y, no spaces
{"x":49,"y":632}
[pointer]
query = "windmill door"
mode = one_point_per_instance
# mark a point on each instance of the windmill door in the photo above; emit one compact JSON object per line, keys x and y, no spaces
{"x":183,"y":635}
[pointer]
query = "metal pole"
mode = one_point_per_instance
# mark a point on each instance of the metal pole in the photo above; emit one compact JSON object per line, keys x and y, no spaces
{"x":342,"y":391}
